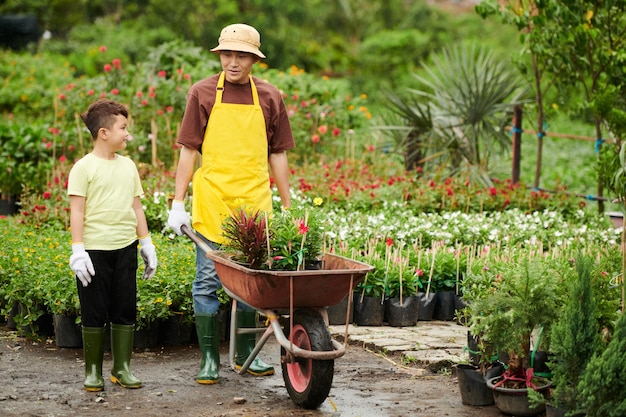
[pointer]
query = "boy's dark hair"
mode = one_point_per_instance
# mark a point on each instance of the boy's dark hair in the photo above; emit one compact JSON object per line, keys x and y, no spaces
{"x":101,"y":114}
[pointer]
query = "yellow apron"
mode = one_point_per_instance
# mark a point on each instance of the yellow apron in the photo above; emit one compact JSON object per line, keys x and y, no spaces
{"x":234,"y":169}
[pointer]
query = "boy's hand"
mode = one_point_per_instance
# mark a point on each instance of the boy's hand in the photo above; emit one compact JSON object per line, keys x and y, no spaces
{"x":178,"y":217}
{"x":148,"y":254}
{"x":80,"y":262}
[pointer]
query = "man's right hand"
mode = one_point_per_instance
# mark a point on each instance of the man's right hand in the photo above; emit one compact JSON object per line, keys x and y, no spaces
{"x":80,"y":262}
{"x":178,"y":217}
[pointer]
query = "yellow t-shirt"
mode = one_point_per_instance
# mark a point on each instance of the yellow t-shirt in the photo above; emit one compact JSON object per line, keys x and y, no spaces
{"x":109,"y":187}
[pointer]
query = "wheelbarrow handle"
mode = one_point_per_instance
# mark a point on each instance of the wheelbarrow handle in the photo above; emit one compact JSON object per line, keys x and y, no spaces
{"x":195,"y":239}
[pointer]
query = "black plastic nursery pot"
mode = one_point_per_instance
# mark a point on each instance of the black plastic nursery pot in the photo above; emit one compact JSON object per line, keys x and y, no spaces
{"x":368,"y":311}
{"x":401,"y":314}
{"x":473,"y":386}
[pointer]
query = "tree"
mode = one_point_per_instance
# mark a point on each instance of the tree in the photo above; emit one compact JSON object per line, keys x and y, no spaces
{"x":576,"y":44}
{"x":459,"y":111}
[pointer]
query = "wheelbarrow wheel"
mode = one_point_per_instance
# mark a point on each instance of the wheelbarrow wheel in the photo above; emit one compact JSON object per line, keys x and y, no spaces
{"x":308,"y":381}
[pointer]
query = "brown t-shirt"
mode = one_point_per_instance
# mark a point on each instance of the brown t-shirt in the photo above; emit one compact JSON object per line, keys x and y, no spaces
{"x":200,"y":100}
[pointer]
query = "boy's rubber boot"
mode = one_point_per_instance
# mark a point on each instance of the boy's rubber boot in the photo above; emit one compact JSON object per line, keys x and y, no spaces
{"x":93,"y":351}
{"x":245,"y":344}
{"x":122,"y":337}
{"x":208,"y":331}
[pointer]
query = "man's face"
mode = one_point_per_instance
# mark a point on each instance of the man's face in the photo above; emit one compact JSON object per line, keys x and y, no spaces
{"x":237,"y":65}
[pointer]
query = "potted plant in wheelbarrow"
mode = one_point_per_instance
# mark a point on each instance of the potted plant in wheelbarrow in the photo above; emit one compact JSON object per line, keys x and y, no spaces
{"x":524,"y":299}
{"x":289,"y":279}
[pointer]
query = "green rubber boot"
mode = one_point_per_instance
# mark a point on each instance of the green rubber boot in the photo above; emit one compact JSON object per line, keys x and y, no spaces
{"x":122,"y":337}
{"x":245,"y":345}
{"x":208,"y":330}
{"x":93,"y":351}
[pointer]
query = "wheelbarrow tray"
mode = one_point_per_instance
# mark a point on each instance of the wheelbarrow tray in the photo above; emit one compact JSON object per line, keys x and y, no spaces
{"x":270,"y":289}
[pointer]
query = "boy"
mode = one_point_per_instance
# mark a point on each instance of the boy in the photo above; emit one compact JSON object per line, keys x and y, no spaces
{"x":107,"y":220}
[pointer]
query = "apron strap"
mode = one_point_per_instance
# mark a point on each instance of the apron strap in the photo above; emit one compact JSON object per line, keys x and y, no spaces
{"x":220,"y":90}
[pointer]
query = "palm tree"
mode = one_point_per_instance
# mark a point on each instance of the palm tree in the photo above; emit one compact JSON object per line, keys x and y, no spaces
{"x":459,"y":113}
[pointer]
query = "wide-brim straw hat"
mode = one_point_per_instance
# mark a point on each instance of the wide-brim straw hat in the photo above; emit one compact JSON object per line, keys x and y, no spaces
{"x":241,"y":38}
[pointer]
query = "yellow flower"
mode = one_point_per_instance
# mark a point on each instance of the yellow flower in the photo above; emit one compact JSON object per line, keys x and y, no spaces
{"x":588,"y":16}
{"x":168,"y":303}
{"x":317,"y":201}
{"x":159,"y":300}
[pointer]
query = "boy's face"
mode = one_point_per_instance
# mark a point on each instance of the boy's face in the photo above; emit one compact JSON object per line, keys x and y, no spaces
{"x":237,"y":65}
{"x":117,"y":136}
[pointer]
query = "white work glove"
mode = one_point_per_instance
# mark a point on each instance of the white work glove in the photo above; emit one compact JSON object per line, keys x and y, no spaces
{"x":178,"y":217}
{"x":80,"y":262}
{"x":148,"y":254}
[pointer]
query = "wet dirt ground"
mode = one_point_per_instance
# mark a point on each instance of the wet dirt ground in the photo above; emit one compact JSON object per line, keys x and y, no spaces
{"x":40,"y":379}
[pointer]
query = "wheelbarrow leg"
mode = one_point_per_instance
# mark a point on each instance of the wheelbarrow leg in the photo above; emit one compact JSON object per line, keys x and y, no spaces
{"x":234,"y":332}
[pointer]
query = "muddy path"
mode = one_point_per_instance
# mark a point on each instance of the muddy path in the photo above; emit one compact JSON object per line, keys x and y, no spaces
{"x":40,"y":379}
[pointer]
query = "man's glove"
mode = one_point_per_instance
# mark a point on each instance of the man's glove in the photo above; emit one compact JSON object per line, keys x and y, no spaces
{"x":178,"y":217}
{"x":80,"y":262}
{"x":148,"y":254}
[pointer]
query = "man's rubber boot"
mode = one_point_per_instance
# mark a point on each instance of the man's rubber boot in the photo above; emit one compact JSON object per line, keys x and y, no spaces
{"x":245,"y":344}
{"x":122,"y":337}
{"x":208,"y":330}
{"x":93,"y":350}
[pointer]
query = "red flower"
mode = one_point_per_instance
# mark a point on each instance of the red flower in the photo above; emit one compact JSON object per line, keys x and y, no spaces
{"x":302,"y":227}
{"x":493,"y":192}
{"x":315,"y":138}
{"x":117,"y":63}
{"x":46,"y":195}
{"x":389,"y":241}
{"x":336,"y":131}
{"x":162,"y":74}
{"x":107,"y":67}
{"x":115,"y":91}
{"x":419,"y":273}
{"x":91,"y":92}
{"x":102,"y":48}
{"x":62,"y":158}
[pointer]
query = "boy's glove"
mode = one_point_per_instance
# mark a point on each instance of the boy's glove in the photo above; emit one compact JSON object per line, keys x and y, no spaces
{"x":80,"y":262}
{"x":178,"y":217}
{"x":148,"y":254}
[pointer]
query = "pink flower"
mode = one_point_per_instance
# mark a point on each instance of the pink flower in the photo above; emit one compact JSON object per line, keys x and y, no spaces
{"x":102,"y":48}
{"x":162,"y":74}
{"x":315,"y":138}
{"x":62,"y":158}
{"x":336,"y":131}
{"x":115,"y":92}
{"x":107,"y":67}
{"x":91,"y":92}
{"x":61,"y":96}
{"x":139,"y":94}
{"x":117,"y":63}
{"x":322,"y":129}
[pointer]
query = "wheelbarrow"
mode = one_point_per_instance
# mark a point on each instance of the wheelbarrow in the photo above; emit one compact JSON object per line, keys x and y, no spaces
{"x":294,"y":304}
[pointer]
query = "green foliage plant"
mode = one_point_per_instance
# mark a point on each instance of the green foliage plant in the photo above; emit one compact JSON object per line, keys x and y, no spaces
{"x":602,"y":385}
{"x":525,"y":297}
{"x":575,"y":336}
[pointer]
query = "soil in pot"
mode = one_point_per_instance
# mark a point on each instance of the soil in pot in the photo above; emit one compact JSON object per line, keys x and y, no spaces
{"x":426,"y":306}
{"x":368,"y":311}
{"x":473,"y":386}
{"x":401,"y":314}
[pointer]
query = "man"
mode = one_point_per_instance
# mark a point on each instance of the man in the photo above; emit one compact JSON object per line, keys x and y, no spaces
{"x":239,"y":125}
